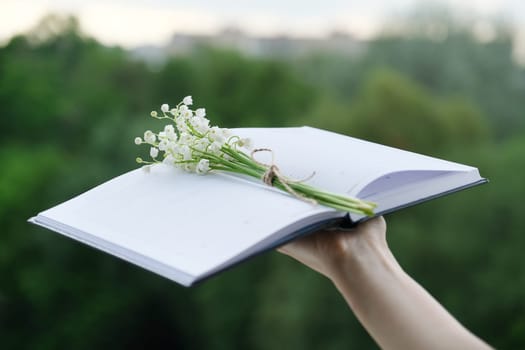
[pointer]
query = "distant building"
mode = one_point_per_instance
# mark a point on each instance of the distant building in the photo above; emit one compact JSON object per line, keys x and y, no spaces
{"x":340,"y":43}
{"x":280,"y":46}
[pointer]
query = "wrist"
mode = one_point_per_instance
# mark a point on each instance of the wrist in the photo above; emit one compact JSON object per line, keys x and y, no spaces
{"x":364,"y":257}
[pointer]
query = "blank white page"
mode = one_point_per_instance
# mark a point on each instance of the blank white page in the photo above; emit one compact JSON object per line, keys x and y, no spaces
{"x":342,"y":164}
{"x":190,"y":222}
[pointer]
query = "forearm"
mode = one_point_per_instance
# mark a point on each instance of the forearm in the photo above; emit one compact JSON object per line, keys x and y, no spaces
{"x":396,"y":311}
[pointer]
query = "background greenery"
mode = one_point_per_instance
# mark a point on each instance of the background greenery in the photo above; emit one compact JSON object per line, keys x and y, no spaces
{"x":70,"y":108}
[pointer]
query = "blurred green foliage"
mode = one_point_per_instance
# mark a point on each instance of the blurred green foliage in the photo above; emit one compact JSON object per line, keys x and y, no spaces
{"x":70,"y":108}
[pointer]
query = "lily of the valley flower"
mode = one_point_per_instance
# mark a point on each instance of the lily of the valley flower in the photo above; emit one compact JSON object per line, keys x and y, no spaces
{"x":188,"y":101}
{"x":190,"y":143}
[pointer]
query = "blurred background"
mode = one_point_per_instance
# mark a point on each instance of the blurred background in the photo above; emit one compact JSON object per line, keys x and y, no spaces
{"x":77,"y":83}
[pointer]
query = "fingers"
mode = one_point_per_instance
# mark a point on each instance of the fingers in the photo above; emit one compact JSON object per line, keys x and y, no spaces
{"x":374,"y":227}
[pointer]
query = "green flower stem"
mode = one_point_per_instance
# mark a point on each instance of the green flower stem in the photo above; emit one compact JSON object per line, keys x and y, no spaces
{"x":241,"y":163}
{"x":330,"y":196}
{"x":325,"y":198}
{"x":229,"y":158}
{"x":242,"y":157}
{"x":238,"y":167}
{"x":333,"y":200}
{"x":247,"y":166}
{"x":192,"y":130}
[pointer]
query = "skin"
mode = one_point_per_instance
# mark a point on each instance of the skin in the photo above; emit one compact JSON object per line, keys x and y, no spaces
{"x":396,"y":311}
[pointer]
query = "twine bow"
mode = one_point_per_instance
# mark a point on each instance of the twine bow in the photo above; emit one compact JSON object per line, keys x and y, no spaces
{"x":272,"y":172}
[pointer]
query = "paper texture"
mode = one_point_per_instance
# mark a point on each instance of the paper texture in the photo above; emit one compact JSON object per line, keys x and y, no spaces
{"x":184,"y":220}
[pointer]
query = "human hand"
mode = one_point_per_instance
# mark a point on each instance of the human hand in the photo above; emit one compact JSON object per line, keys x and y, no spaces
{"x":395,"y":309}
{"x":329,"y":252}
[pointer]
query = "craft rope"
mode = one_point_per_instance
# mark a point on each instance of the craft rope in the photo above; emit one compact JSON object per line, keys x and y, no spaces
{"x":272,"y":172}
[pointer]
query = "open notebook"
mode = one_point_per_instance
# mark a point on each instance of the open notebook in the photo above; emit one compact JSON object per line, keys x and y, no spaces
{"x":188,"y":227}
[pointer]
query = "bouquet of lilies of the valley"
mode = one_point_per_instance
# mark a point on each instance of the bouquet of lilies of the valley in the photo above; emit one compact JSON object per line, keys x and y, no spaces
{"x":188,"y":142}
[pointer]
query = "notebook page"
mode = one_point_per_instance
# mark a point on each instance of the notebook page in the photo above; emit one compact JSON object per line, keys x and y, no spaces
{"x":342,"y":164}
{"x":193,"y":223}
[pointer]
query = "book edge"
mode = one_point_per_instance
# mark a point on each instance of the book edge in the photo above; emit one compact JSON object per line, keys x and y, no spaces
{"x":127,"y":255}
{"x":187,"y":280}
{"x":478,"y":182}
{"x":344,"y":223}
{"x":303,"y":231}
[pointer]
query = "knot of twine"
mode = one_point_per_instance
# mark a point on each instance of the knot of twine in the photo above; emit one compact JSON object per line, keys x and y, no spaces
{"x":272,"y":172}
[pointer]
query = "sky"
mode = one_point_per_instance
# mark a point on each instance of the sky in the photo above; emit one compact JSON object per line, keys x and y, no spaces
{"x":137,"y":22}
